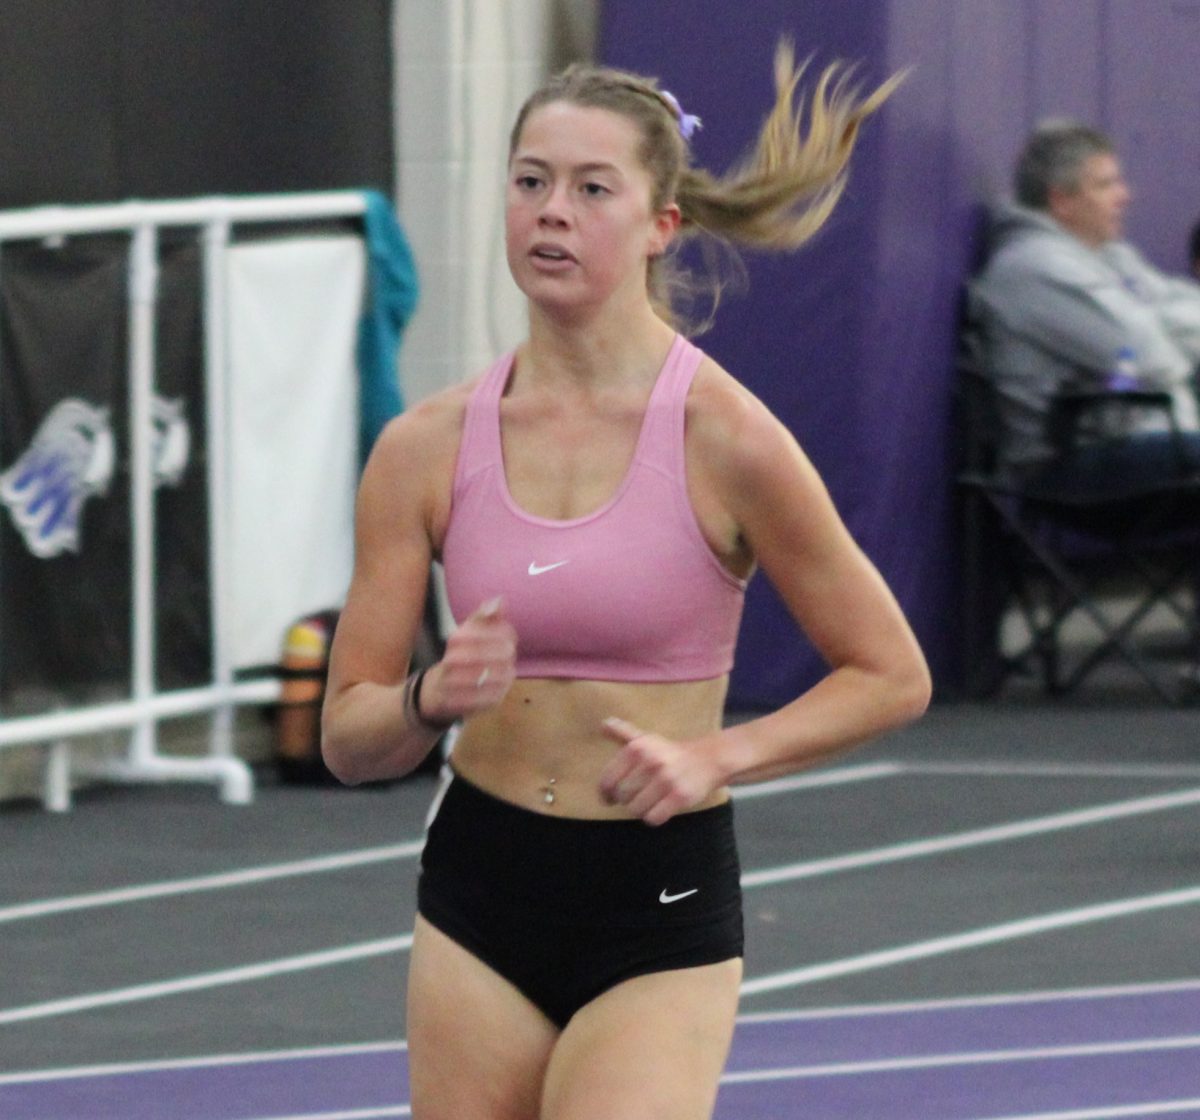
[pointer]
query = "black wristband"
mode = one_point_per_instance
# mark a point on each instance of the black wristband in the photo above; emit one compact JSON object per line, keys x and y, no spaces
{"x":432,"y":724}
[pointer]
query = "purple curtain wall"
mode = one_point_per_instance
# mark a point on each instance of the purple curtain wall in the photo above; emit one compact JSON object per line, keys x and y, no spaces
{"x":851,"y":341}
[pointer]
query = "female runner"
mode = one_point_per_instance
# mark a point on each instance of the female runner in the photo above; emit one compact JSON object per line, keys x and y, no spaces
{"x":599,"y":499}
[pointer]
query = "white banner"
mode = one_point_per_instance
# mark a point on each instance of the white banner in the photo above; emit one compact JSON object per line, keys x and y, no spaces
{"x":294,"y":307}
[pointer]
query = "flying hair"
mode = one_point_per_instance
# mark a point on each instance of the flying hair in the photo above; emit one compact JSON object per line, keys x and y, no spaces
{"x":776,"y":198}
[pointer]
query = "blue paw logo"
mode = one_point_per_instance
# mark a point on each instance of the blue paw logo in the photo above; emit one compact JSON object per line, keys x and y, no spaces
{"x":70,"y":459}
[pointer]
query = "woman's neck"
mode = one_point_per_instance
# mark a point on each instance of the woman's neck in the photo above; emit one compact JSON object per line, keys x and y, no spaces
{"x":596,"y":352}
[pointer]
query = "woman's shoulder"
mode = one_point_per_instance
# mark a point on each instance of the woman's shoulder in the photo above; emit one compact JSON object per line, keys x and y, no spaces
{"x":741,"y":454}
{"x":429,"y":428}
{"x":421,"y":443}
{"x":410,"y":471}
{"x":727,"y":424}
{"x":429,"y":418}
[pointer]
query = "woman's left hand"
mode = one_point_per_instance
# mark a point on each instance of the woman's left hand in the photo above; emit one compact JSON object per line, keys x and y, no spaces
{"x":653,"y":777}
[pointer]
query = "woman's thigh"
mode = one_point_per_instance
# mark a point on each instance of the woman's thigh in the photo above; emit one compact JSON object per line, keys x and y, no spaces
{"x":653,"y":1046}
{"x":477,"y":1048}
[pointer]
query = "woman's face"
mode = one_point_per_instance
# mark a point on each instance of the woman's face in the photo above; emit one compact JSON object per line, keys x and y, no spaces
{"x":578,"y":222}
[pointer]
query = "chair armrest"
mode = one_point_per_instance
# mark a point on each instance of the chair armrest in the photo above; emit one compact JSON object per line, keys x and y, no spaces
{"x":1069,"y":407}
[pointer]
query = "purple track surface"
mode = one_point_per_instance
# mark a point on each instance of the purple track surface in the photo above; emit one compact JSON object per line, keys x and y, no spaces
{"x":1132,"y":1053}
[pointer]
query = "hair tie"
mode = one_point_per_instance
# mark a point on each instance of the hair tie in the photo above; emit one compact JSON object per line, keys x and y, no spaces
{"x":687,"y":122}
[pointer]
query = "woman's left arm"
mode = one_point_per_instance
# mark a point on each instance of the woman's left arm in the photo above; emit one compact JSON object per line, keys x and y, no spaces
{"x":878,"y":678}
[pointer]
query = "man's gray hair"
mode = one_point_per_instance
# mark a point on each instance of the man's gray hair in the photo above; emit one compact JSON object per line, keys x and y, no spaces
{"x":1052,"y":157}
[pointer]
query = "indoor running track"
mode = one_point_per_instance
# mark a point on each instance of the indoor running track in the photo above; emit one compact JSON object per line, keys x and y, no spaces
{"x":991,"y":915}
{"x":1137,"y":1050}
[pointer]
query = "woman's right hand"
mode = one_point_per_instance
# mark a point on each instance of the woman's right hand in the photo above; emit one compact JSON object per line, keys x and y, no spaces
{"x":477,"y":669}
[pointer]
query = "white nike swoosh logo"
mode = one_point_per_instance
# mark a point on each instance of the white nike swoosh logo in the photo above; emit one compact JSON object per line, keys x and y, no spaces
{"x":537,"y":569}
{"x":666,"y":899}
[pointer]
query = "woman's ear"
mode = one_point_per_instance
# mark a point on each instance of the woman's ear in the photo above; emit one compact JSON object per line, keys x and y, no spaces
{"x":666,"y":224}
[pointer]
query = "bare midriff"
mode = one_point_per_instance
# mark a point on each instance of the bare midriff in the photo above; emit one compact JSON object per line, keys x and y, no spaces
{"x":544,"y":748}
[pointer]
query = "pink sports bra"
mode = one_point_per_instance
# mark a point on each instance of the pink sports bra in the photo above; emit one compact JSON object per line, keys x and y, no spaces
{"x":630,"y":592}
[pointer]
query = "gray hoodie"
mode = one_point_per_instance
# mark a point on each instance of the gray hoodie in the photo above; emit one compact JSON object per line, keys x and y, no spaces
{"x":1055,"y":315}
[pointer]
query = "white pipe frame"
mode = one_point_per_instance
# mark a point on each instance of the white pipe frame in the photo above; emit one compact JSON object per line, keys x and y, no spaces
{"x":147,"y":706}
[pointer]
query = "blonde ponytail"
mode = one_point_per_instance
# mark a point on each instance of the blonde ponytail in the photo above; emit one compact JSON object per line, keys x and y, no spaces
{"x":788,"y":186}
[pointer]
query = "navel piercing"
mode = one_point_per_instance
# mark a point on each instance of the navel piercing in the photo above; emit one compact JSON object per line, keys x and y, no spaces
{"x":548,"y":791}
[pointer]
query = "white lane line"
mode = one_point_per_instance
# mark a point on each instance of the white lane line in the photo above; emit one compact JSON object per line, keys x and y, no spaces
{"x":740,"y":1076}
{"x":842,"y":775}
{"x":352,"y":1114}
{"x":1026,"y":927}
{"x":750,"y":879}
{"x":989,"y":935}
{"x":1034,"y":826}
{"x":747,"y":1019}
{"x":204,"y":980}
{"x":221,"y":881}
{"x":1000,"y":999}
{"x":412,"y":848}
{"x":343,"y":861}
{"x":208,"y":1061}
{"x":965,"y":1058}
{"x":1149,"y":1108}
{"x":1165,"y":771}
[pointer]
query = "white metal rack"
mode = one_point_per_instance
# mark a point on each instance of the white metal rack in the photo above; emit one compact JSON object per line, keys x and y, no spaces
{"x":141,"y":713}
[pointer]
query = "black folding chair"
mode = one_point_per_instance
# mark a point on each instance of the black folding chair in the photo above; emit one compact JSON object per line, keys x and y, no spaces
{"x":1058,"y":556}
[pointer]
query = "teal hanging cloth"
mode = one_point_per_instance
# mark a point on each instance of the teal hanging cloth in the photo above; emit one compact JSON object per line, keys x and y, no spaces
{"x":391,"y":298}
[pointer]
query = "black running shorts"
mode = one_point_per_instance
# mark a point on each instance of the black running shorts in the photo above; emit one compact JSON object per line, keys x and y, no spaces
{"x":565,"y":909}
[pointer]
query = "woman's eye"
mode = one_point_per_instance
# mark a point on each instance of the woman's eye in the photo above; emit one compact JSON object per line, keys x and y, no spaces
{"x":527,"y":182}
{"x":594,"y":190}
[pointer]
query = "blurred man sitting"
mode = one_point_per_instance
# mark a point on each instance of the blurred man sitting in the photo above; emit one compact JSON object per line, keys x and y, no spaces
{"x":1066,"y":305}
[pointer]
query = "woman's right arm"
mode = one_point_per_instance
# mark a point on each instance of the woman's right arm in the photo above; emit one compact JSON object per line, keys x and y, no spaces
{"x":370,"y":730}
